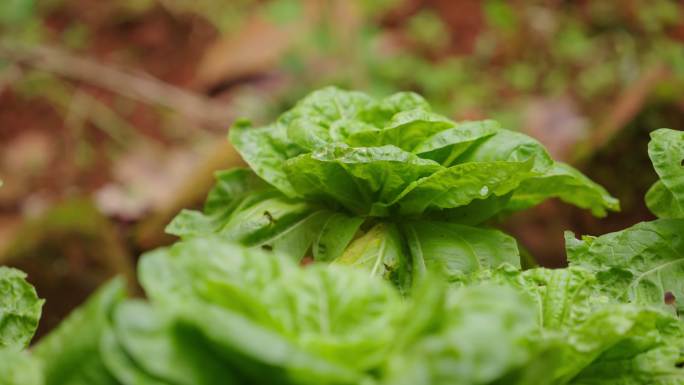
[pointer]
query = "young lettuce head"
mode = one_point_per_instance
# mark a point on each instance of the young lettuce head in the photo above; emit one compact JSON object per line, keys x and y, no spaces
{"x":385,"y":184}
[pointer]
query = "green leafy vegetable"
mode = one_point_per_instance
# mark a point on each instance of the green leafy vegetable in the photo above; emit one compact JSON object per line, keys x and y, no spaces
{"x":334,"y":236}
{"x":231,"y":189}
{"x":344,"y":176}
{"x":222,"y":313}
{"x":476,"y":335}
{"x":346,"y":148}
{"x":380,"y":252}
{"x":666,"y":150}
{"x":320,"y":325}
{"x":20,"y":309}
{"x":19,"y":368}
{"x":454,"y":250}
{"x":590,"y":333}
{"x":145,"y":345}
{"x":568,"y":184}
{"x":626,"y":337}
{"x":70,"y":354}
{"x":643,"y":264}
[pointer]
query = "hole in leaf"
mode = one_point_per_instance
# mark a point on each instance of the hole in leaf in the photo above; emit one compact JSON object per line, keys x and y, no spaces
{"x":670,"y":298}
{"x":680,"y":364}
{"x":682,"y":162}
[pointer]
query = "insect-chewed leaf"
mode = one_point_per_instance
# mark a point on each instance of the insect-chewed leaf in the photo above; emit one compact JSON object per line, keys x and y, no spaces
{"x":641,"y":264}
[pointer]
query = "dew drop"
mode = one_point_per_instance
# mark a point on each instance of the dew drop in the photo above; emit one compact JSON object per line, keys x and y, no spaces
{"x":484,"y":190}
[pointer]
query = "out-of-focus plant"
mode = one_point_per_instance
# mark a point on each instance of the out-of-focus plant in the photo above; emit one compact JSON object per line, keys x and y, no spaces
{"x":589,"y":52}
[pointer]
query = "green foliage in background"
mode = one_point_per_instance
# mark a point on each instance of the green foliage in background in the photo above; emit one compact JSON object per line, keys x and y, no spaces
{"x":589,"y":53}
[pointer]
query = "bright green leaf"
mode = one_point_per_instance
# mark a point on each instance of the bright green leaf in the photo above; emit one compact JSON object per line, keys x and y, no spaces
{"x":566,"y":183}
{"x":70,"y":353}
{"x":20,"y":309}
{"x":641,"y":264}
{"x":19,"y":368}
{"x":454,"y":250}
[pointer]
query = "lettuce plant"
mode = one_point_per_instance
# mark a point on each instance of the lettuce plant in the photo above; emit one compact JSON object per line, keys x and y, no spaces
{"x":20,"y":310}
{"x":384,"y":184}
{"x":222,"y":314}
{"x":666,"y":197}
{"x":645,"y":263}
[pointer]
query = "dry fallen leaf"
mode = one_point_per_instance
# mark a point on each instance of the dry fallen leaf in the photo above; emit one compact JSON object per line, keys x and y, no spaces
{"x":145,"y":179}
{"x":557,"y":124}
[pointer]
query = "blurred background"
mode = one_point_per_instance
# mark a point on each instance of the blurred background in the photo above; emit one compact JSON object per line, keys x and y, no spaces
{"x":113,"y":114}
